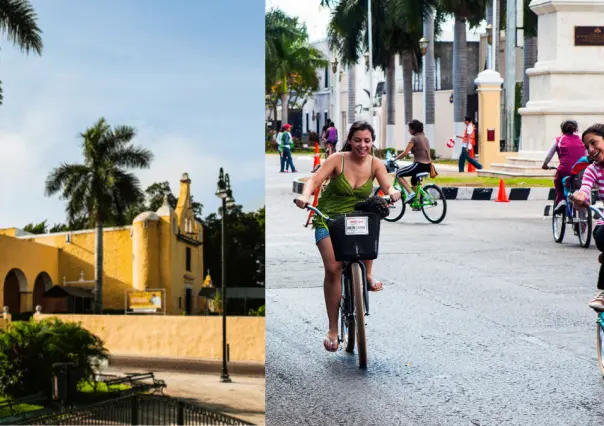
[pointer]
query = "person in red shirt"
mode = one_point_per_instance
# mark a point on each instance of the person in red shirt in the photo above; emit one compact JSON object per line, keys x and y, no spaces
{"x":469,"y":141}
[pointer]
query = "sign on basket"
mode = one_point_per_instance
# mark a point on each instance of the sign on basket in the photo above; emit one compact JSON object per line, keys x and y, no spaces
{"x":357,"y":226}
{"x":450,"y":143}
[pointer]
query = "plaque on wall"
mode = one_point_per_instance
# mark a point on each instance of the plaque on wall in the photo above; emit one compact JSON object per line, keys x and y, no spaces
{"x":589,"y":36}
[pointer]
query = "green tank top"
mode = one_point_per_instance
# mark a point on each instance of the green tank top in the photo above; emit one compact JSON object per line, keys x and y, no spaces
{"x":340,"y":197}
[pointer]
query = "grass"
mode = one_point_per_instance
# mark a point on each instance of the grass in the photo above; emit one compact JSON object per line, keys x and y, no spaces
{"x":489,"y":182}
{"x":21,"y":408}
{"x":88,"y":387}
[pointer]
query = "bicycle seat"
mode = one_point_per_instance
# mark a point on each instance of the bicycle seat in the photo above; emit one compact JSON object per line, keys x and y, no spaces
{"x":422,"y":175}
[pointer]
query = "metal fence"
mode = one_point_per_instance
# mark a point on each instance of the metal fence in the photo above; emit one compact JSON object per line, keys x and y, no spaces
{"x":138,"y":410}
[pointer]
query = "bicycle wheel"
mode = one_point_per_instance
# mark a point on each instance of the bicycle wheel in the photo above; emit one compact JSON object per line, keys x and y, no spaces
{"x":397,"y":209}
{"x":600,"y":341}
{"x":347,"y":326}
{"x":559,"y":225}
{"x":434,"y":203}
{"x":359,"y":313}
{"x":583,"y":218}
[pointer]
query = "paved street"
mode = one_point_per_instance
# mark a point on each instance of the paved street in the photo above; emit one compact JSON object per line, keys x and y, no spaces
{"x":483,"y":321}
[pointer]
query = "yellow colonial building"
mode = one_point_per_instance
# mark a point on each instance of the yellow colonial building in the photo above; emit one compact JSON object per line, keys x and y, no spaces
{"x":161,"y":250}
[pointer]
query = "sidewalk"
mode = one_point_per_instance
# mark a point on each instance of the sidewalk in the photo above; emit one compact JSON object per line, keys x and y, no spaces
{"x":243,"y":398}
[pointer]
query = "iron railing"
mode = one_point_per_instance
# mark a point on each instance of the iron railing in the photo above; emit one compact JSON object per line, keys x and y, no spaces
{"x":138,"y":410}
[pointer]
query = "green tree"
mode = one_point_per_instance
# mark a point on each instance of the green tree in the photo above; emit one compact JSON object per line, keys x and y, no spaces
{"x":18,"y":20}
{"x":39,"y":228}
{"x":101,"y":189}
{"x":288,"y":54}
{"x":29,"y":349}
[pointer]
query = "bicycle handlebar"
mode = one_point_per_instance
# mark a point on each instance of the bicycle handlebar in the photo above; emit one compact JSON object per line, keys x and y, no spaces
{"x":327,"y":218}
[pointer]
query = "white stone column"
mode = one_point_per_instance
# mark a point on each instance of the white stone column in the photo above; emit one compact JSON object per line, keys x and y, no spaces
{"x":566,"y":81}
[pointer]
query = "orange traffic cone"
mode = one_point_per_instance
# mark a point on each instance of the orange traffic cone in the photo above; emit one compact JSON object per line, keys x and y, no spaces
{"x":317,"y":159}
{"x":502,"y":196}
{"x":471,"y":167}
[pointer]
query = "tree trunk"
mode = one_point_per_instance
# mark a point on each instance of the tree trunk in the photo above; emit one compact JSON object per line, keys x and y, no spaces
{"x":460,"y":85}
{"x":496,"y":34}
{"x":391,"y":103}
{"x":352,"y":94}
{"x":530,"y":58}
{"x":430,"y":78}
{"x":98,"y":268}
{"x":284,"y":102}
{"x":489,"y":13}
{"x":408,"y":88}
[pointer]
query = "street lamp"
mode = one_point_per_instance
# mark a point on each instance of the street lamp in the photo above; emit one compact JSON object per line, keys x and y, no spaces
{"x":224,"y":193}
{"x":334,"y":65}
{"x":423,"y":45}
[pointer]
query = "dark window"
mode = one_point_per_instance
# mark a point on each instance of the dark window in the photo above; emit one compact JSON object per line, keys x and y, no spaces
{"x":307,"y":123}
{"x":327,"y":77}
{"x":326,"y":118}
{"x":188,"y":259}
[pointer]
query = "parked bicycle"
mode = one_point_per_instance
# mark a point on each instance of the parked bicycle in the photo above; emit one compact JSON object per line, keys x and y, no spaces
{"x":565,"y":214}
{"x":430,"y":199}
{"x":355,"y":238}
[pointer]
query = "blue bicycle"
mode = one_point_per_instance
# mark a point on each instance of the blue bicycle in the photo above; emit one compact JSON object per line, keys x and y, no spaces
{"x":564,"y":213}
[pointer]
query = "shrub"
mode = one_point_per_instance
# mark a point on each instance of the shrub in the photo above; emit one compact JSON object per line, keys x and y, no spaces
{"x":28,"y":351}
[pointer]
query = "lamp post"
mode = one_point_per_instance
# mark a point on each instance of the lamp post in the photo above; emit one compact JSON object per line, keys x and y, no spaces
{"x":423,"y":45}
{"x":370,"y":49}
{"x":489,"y":30}
{"x":336,"y":101}
{"x":225,"y":194}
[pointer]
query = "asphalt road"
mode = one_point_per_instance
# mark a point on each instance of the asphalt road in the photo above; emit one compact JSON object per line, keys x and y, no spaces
{"x":483,"y":321}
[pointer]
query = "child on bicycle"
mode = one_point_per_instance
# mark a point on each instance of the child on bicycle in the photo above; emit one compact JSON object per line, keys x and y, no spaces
{"x":593,"y":138}
{"x":569,"y":148}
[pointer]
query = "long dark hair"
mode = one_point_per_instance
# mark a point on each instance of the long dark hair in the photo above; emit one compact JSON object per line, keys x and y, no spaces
{"x":357,"y":126}
{"x":596,"y":129}
{"x":569,"y":127}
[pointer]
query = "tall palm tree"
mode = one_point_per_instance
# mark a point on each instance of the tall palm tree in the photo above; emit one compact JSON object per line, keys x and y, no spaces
{"x":18,"y":20}
{"x":101,"y":189}
{"x":465,"y":12}
{"x":430,"y":77}
{"x":530,"y":47}
{"x":396,"y":29}
{"x":288,"y":53}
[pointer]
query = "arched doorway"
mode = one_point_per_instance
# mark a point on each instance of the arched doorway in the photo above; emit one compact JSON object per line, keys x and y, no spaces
{"x":42,"y":284}
{"x":14,"y":283}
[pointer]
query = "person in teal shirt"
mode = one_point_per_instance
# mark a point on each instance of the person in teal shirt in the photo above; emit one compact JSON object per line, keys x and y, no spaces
{"x":287,"y":144}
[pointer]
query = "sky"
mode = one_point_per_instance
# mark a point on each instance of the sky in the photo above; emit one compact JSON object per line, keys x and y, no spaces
{"x":187,"y":74}
{"x":317,"y":19}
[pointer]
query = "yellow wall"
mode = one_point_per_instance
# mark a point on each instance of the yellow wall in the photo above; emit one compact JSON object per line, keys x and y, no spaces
{"x":30,"y":258}
{"x":175,"y":336}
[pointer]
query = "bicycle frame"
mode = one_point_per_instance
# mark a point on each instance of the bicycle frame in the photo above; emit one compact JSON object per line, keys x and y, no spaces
{"x":347,"y":291}
{"x":420,"y":194}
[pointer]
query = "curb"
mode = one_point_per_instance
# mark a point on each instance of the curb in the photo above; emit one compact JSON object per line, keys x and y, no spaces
{"x":479,"y":194}
{"x":193,"y":365}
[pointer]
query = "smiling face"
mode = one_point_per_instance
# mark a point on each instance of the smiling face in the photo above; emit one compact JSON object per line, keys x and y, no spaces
{"x":595,"y":147}
{"x":361,"y":143}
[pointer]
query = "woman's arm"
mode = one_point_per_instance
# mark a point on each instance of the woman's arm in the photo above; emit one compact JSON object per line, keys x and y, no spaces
{"x":405,"y":152}
{"x":317,"y":178}
{"x":385,"y":183}
{"x":549,"y":156}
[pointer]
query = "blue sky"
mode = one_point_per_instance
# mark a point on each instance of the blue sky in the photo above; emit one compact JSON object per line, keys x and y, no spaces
{"x":188,"y":74}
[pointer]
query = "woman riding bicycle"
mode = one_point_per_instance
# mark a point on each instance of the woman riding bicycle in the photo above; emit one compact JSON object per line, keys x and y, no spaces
{"x":593,"y":138}
{"x":419,"y":146}
{"x":570,"y":149}
{"x":352,"y":172}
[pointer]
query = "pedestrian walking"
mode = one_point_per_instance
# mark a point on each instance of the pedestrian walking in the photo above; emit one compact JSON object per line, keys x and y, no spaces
{"x":469,"y":141}
{"x":287,"y":144}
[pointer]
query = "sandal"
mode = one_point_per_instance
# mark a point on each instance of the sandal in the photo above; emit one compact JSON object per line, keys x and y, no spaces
{"x":331,"y":345}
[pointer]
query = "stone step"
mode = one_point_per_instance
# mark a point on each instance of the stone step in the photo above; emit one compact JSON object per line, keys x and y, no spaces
{"x":528,"y":162}
{"x":504,"y":174}
{"x":522,"y":169}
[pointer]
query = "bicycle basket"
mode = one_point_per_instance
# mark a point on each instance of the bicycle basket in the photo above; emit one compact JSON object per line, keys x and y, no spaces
{"x":355,"y":236}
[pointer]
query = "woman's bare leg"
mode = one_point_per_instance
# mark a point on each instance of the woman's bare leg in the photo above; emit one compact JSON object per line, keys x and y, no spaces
{"x":332,"y":286}
{"x":370,"y":280}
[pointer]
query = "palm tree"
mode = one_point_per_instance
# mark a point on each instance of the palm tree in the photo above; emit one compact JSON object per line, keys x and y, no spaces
{"x":430,"y":77}
{"x":18,"y":20}
{"x":288,"y":53}
{"x":464,"y":11}
{"x":101,"y":189}
{"x":530,"y":47}
{"x":396,"y":28}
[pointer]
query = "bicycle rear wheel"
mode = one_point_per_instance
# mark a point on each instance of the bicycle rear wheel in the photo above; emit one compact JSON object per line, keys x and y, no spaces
{"x":600,"y":341}
{"x":397,"y":209}
{"x":434,"y":203}
{"x":559,"y":224}
{"x":583,"y":218}
{"x":359,"y":313}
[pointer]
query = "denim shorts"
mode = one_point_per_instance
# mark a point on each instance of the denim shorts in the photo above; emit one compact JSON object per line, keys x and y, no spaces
{"x":320,"y":233}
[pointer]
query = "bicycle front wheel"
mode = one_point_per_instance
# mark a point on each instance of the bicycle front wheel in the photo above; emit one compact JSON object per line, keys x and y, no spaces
{"x":397,"y":209}
{"x":559,"y":224}
{"x":583,"y":218}
{"x":347,"y":326}
{"x":434,"y":203}
{"x":359,"y":311}
{"x":600,"y":342}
